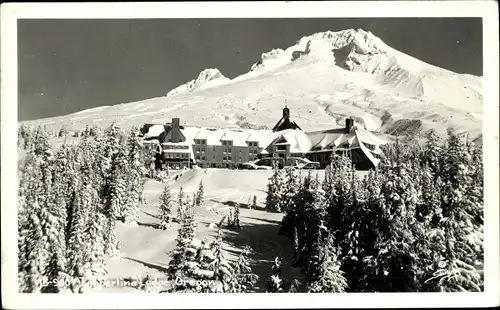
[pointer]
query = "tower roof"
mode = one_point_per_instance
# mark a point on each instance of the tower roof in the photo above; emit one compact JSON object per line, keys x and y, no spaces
{"x":285,"y":122}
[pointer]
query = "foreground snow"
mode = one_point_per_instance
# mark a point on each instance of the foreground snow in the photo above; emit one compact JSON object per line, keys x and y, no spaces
{"x":144,"y":247}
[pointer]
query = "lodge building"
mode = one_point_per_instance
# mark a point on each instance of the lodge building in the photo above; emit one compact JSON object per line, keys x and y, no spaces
{"x":182,"y":147}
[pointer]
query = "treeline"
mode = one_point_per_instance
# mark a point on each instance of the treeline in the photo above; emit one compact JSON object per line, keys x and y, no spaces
{"x":413,"y":224}
{"x":69,"y":203}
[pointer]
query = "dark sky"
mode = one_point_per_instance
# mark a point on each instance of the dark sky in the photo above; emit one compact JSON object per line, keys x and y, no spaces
{"x":70,"y":65}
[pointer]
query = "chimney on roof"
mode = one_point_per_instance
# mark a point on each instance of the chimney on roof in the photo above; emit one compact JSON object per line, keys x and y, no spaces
{"x":349,"y":122}
{"x":175,"y":130}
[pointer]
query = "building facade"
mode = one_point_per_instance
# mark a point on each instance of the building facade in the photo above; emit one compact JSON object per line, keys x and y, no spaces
{"x":182,"y":147}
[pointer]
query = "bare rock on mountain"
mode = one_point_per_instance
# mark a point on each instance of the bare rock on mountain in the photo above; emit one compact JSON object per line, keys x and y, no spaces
{"x":206,"y":78}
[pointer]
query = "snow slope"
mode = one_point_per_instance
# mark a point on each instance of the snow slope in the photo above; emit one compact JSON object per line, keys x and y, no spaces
{"x":332,"y":75}
{"x":144,"y":248}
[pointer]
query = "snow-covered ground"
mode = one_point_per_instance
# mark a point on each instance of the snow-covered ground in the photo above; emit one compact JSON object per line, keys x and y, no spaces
{"x":145,"y":248}
{"x":371,"y":82}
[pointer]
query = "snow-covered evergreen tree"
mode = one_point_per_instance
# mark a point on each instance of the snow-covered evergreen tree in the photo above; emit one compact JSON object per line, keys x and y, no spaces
{"x":77,"y":242}
{"x":181,"y":256}
{"x":460,"y":209}
{"x":254,"y":203}
{"x":199,"y":194}
{"x":236,"y":220}
{"x":41,"y":221}
{"x":33,"y":257}
{"x":245,"y":279}
{"x":180,"y":205}
{"x":289,"y":202}
{"x":165,"y":208}
{"x":295,"y":286}
{"x":274,"y":191}
{"x":63,"y":132}
{"x":135,"y":180}
{"x":329,"y":277}
{"x":275,"y":283}
{"x":433,"y":151}
{"x":95,"y":265}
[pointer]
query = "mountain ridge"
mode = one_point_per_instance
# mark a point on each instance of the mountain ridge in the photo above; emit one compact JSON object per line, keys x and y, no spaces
{"x":323,"y":78}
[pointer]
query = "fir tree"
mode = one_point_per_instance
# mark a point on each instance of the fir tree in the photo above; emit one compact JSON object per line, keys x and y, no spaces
{"x":77,"y":242}
{"x":275,"y":283}
{"x":295,"y":286}
{"x":230,"y":219}
{"x":329,"y":278}
{"x":245,"y":279}
{"x":254,"y":203}
{"x":459,"y":205}
{"x":165,"y":208}
{"x":199,"y":194}
{"x":433,"y":151}
{"x":181,"y":255}
{"x":180,"y":205}
{"x":32,"y":255}
{"x":134,"y":178}
{"x":95,"y":265}
{"x":63,"y":132}
{"x":236,"y":220}
{"x":274,"y":191}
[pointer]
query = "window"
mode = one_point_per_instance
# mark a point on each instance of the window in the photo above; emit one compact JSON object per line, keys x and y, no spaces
{"x":371,"y":147}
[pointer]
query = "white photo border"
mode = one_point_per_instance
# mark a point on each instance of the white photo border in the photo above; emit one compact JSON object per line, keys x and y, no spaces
{"x":11,"y":12}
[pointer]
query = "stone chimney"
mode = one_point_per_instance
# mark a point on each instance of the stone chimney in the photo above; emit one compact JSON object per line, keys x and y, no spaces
{"x":175,"y":130}
{"x":349,"y":122}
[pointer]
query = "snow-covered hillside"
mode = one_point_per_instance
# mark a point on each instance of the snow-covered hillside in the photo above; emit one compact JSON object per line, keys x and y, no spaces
{"x":324,"y":77}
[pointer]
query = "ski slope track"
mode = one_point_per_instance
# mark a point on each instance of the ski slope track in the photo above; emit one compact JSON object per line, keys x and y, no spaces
{"x":324,"y":78}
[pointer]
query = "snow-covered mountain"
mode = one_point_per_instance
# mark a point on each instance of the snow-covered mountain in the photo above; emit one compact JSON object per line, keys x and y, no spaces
{"x":323,"y":78}
{"x":207,"y":78}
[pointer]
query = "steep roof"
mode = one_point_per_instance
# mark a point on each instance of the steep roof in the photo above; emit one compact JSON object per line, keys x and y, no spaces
{"x":154,"y":130}
{"x":212,"y":136}
{"x":263,"y":137}
{"x":298,"y":140}
{"x":239,"y":137}
{"x":284,"y":124}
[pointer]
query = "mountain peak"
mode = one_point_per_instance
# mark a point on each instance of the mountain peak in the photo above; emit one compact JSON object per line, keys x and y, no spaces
{"x":323,"y":44}
{"x":207,"y":78}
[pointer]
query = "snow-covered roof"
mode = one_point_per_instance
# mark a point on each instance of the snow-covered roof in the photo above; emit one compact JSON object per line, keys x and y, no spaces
{"x":259,"y":136}
{"x":212,"y":136}
{"x":368,"y":137}
{"x":154,"y":131}
{"x":239,"y":137}
{"x":298,"y":140}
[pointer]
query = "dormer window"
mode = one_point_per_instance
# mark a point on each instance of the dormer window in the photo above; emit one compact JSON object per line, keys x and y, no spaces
{"x":371,"y":147}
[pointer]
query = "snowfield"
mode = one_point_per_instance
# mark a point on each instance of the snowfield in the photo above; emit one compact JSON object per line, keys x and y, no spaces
{"x":345,"y":73}
{"x":144,"y":248}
